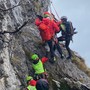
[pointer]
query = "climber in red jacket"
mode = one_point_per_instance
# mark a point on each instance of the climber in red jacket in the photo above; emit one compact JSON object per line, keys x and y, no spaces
{"x":54,"y":30}
{"x":48,"y":28}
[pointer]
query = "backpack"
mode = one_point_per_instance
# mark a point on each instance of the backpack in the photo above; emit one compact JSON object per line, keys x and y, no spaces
{"x":68,"y":30}
{"x":72,"y":30}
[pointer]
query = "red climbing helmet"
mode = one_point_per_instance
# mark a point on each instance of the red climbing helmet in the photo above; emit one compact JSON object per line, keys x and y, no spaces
{"x":47,"y":13}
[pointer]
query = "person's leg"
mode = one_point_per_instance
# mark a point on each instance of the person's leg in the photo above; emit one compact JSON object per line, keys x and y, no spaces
{"x":50,"y":43}
{"x":59,"y":50}
{"x":51,"y":46}
{"x":67,"y":47}
{"x":54,"y":48}
{"x":47,"y":49}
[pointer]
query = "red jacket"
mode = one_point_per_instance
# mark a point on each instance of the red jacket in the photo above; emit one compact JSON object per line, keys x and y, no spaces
{"x":56,"y":27}
{"x":47,"y":28}
{"x":32,"y":83}
{"x":44,"y":59}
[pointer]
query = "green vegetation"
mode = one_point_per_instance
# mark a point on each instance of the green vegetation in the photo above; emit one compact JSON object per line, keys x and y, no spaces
{"x":80,"y":63}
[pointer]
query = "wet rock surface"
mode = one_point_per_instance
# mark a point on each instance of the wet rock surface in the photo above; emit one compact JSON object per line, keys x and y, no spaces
{"x":16,"y":50}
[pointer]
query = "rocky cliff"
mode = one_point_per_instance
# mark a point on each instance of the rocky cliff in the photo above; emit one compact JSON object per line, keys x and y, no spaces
{"x":16,"y":49}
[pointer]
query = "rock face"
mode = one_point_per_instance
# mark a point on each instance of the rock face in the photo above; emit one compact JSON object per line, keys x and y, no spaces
{"x":16,"y":49}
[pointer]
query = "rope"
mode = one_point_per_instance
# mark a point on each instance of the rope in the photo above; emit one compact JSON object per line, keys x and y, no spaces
{"x":55,"y":10}
{"x":50,"y":7}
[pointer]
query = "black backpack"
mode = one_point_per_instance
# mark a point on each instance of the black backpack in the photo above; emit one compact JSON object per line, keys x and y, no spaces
{"x":69,"y":30}
{"x":72,"y":30}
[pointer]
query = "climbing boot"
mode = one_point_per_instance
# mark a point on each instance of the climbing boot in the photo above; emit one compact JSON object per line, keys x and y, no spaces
{"x":52,"y":60}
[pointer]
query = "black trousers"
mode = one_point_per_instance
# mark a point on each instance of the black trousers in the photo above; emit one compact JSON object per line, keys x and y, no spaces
{"x":51,"y":46}
{"x":67,"y":43}
{"x":57,"y":46}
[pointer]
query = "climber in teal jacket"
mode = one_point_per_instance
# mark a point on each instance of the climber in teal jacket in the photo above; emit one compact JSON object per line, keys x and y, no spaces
{"x":38,"y":66}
